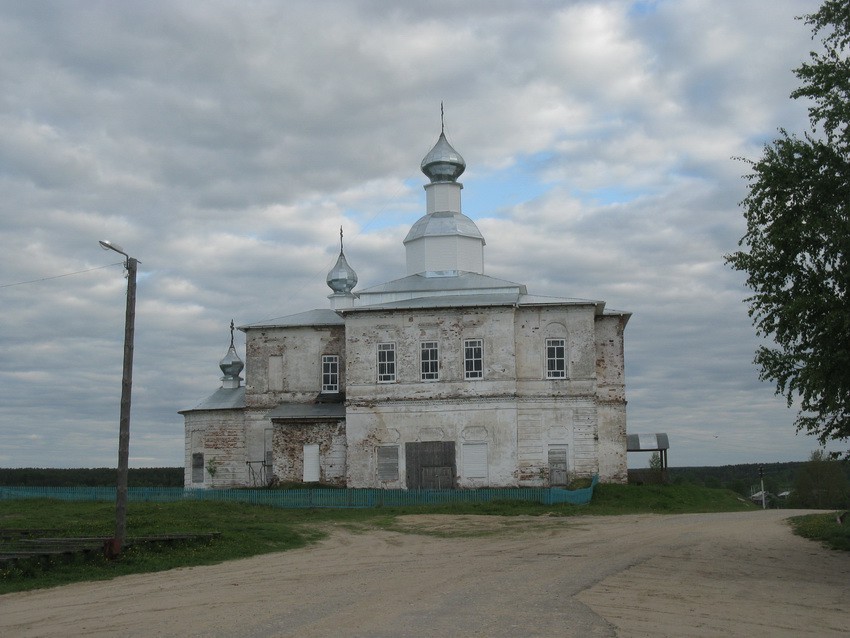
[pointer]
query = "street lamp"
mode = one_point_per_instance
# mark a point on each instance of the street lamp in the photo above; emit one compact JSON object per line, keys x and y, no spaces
{"x":113,"y":546}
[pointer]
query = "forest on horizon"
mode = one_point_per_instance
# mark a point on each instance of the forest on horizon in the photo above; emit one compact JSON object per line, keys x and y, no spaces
{"x":778,"y":477}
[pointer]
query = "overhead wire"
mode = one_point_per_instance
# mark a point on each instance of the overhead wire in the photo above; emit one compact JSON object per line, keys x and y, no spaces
{"x":67,"y":274}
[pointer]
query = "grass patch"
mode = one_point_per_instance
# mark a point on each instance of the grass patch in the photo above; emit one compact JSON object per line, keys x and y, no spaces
{"x":823,"y":528}
{"x":664,"y":499}
{"x":245,"y":531}
{"x":250,"y":530}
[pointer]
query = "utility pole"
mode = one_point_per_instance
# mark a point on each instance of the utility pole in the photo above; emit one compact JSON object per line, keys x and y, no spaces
{"x":763,"y":496}
{"x":114,"y":546}
{"x":124,"y":419}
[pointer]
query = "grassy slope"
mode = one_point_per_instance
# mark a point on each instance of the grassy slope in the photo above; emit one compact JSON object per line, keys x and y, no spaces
{"x":250,"y":530}
{"x":824,"y":528}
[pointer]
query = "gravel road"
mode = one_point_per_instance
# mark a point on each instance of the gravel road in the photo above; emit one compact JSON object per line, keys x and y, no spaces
{"x":741,"y":574}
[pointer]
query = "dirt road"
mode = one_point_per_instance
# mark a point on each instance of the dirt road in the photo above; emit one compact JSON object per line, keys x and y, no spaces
{"x":740,"y":574}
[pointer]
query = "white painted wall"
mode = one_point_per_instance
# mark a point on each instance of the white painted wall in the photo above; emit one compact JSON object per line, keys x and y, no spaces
{"x":484,"y":421}
{"x":284,"y":364}
{"x":514,"y":409}
{"x":445,"y":253}
{"x":518,"y":412}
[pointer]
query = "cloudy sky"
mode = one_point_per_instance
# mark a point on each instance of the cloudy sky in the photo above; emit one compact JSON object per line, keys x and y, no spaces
{"x":223,"y":144}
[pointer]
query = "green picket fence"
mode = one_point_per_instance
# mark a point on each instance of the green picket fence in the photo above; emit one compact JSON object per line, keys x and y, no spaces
{"x":310,"y":498}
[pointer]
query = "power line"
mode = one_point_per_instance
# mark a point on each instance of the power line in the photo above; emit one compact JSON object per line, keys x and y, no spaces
{"x":68,"y":274}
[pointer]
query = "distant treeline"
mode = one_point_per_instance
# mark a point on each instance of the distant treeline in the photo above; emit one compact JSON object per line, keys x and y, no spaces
{"x":778,"y":477}
{"x":91,"y":477}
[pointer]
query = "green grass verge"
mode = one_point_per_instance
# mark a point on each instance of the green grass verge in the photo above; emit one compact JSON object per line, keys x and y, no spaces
{"x":665,"y":499}
{"x":244,"y":531}
{"x":823,"y":528}
{"x":250,"y":530}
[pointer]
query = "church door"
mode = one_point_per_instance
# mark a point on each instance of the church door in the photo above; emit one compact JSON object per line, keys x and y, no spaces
{"x":312,"y":473}
{"x":430,"y":465}
{"x":558,"y":465}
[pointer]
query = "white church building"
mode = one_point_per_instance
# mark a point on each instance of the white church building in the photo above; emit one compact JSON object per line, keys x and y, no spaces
{"x":444,"y":378}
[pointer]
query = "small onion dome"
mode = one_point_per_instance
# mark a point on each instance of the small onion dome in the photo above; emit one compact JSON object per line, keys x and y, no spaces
{"x":342,"y":277}
{"x":443,"y":163}
{"x":231,"y":365}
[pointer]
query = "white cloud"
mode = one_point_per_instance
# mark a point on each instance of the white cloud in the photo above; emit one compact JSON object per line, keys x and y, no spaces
{"x":224,"y":145}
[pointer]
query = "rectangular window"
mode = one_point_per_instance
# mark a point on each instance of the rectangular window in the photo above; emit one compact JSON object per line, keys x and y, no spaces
{"x":430,"y":362}
{"x":330,"y":373}
{"x":386,"y":362}
{"x":473,"y":359}
{"x":556,"y":358}
{"x":388,"y":463}
{"x":198,"y":467}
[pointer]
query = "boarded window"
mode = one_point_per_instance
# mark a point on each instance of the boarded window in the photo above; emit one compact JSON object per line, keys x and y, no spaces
{"x":475,"y":460}
{"x":386,"y":362}
{"x":198,"y":467}
{"x":473,"y":359}
{"x":388,"y":463}
{"x":275,"y":376}
{"x":430,"y":363}
{"x":556,"y":358}
{"x":312,"y":473}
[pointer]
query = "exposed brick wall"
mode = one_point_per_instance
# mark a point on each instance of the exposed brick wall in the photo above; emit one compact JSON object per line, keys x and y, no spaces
{"x":220,"y":436}
{"x":288,"y":443}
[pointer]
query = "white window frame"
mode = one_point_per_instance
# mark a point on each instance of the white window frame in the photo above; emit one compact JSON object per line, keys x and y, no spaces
{"x":554,"y":358}
{"x":330,"y":373}
{"x":473,"y":359}
{"x":386,"y":362}
{"x":429,"y":360}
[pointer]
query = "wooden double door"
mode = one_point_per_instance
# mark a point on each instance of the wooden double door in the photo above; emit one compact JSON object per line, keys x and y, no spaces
{"x":431,"y":465}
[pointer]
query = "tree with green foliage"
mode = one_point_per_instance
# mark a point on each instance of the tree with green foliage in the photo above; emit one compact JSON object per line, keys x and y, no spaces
{"x":795,"y":250}
{"x":821,"y":483}
{"x":655,"y":462}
